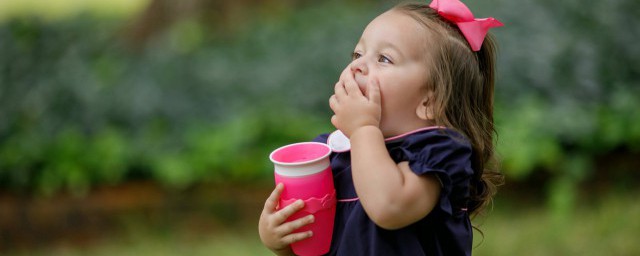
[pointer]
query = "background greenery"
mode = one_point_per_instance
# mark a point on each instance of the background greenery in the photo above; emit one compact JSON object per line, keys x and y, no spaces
{"x":95,"y":94}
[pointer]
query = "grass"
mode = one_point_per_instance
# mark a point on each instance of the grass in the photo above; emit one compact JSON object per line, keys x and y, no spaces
{"x":139,"y":240}
{"x":606,"y":226}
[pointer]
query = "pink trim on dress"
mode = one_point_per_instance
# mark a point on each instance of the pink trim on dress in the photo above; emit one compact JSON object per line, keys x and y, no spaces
{"x":348,"y":200}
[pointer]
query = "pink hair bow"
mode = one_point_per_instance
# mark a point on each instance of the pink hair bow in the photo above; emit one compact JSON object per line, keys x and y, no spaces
{"x":474,"y":30}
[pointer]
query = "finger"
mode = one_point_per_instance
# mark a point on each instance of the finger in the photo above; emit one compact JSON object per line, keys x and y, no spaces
{"x":295,"y":237}
{"x":339,"y":89}
{"x":333,"y":102}
{"x":291,"y":226}
{"x":351,"y":86}
{"x":272,"y":202}
{"x":346,"y":73}
{"x":285,"y":213}
{"x":334,"y":121}
{"x":373,"y":91}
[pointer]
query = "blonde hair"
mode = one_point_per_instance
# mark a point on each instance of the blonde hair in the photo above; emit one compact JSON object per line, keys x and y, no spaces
{"x":462,"y":82}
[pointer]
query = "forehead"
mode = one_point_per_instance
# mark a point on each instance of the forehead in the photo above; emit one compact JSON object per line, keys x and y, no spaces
{"x":398,"y":29}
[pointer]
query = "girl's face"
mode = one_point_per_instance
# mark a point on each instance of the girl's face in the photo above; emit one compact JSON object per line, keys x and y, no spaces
{"x":392,"y":49}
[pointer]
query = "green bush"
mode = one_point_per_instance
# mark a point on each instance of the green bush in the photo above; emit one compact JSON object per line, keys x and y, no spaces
{"x":566,"y":86}
{"x":80,"y":108}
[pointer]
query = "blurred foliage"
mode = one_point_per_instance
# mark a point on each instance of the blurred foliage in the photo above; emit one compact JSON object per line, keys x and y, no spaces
{"x":568,"y":82}
{"x":62,"y":9}
{"x":80,"y":107}
{"x":567,"y":90}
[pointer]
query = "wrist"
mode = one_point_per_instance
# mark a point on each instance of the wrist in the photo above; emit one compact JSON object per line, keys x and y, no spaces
{"x":365,"y":132}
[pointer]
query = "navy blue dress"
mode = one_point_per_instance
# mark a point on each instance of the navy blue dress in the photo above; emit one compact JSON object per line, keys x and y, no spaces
{"x":446,"y":230}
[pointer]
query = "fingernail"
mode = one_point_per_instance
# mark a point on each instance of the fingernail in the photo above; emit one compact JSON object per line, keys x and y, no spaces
{"x":311,"y":219}
{"x":310,"y":233}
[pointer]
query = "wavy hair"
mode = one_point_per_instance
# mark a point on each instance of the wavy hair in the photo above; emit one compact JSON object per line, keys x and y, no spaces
{"x":462,"y":83}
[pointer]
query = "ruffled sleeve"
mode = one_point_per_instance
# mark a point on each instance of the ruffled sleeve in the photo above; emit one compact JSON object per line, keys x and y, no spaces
{"x":446,"y":154}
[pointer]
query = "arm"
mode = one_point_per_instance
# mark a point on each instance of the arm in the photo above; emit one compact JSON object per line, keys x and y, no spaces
{"x":391,"y":194}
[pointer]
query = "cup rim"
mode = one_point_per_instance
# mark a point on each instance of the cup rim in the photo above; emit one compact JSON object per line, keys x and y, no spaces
{"x":329,"y":151}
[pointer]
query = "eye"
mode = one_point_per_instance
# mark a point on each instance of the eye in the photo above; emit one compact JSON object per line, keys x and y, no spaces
{"x":384,"y":59}
{"x":355,"y":55}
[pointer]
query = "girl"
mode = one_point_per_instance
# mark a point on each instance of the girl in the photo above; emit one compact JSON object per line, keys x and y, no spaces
{"x":416,"y":103}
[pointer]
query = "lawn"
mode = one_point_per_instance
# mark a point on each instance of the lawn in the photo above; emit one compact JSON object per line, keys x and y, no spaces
{"x":608,"y":225}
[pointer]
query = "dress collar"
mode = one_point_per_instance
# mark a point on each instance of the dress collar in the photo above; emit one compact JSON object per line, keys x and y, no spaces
{"x":340,"y":143}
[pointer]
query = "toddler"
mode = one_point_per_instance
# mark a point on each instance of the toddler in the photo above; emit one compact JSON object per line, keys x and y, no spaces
{"x":416,"y":103}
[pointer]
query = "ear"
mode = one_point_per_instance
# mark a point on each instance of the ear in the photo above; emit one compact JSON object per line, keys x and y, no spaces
{"x":424,"y":110}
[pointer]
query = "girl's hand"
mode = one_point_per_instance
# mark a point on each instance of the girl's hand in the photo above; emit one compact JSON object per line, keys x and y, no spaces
{"x":352,"y":109}
{"x":275,"y":233}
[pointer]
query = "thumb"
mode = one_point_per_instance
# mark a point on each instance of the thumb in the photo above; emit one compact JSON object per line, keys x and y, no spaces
{"x":373,"y":91}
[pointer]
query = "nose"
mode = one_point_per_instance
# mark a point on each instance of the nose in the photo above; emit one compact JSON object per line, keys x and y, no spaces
{"x":360,"y":72}
{"x":359,"y":65}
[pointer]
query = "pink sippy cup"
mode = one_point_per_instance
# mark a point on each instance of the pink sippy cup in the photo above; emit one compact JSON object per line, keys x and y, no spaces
{"x":304,"y":170}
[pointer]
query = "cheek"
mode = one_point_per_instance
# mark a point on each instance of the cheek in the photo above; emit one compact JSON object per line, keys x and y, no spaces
{"x":400,"y":91}
{"x":392,"y":100}
{"x":399,"y":100}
